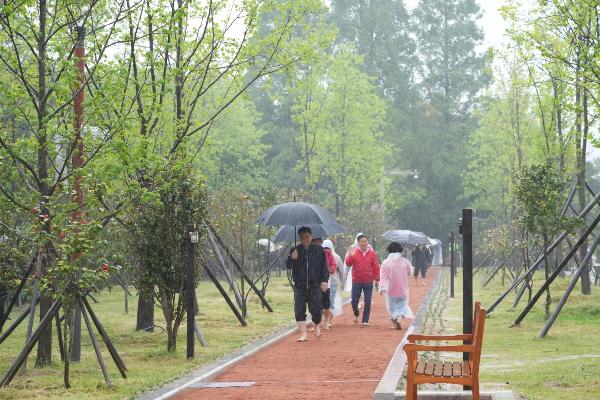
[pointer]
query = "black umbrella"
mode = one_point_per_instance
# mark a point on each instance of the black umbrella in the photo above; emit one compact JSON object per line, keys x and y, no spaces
{"x":287,"y":233}
{"x":295,"y":213}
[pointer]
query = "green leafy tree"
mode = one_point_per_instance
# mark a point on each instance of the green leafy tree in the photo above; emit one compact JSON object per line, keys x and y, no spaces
{"x":540,"y":191}
{"x":157,"y":238}
{"x":451,"y":75}
{"x":350,"y":154}
{"x":38,"y":142}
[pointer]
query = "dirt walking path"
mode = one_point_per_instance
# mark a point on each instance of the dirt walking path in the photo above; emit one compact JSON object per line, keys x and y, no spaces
{"x":346,"y":362}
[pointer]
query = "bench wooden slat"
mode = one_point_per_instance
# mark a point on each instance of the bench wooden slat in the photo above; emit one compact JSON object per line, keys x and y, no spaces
{"x":420,"y":367}
{"x":447,"y":371}
{"x":466,"y":368}
{"x":439,"y":366}
{"x":429,"y":368}
{"x":457,"y":368}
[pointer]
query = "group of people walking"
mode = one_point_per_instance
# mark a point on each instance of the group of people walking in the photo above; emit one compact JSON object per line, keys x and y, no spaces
{"x":318,"y":272}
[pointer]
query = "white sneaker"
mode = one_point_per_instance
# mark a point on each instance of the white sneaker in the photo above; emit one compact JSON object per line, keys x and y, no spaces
{"x":364,"y":324}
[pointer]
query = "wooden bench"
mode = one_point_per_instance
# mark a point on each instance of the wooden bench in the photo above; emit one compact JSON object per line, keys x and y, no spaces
{"x":458,"y":372}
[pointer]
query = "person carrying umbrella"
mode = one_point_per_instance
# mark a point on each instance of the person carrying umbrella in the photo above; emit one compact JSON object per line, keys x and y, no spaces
{"x":421,"y":261}
{"x":310,"y":276}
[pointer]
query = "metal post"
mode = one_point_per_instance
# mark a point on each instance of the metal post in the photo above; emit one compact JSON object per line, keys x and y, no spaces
{"x":191,"y":240}
{"x":467,"y":235}
{"x":452,"y":264}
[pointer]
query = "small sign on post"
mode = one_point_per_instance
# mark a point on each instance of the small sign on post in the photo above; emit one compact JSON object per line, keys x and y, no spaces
{"x":191,"y":241}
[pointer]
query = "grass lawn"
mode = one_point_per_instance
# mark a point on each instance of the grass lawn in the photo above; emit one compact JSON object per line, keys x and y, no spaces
{"x":149,"y":364}
{"x":563,"y":365}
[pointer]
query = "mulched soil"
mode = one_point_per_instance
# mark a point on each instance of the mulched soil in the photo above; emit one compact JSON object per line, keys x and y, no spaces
{"x":346,"y":362}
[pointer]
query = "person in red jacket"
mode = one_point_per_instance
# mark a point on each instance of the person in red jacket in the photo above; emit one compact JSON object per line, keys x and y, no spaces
{"x":365,"y":269}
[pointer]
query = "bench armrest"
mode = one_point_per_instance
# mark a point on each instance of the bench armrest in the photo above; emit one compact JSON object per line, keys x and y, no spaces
{"x":413,"y":338}
{"x":411,"y":348}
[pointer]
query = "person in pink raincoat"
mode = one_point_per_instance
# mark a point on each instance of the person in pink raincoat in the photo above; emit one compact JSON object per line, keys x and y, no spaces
{"x":393,"y":282}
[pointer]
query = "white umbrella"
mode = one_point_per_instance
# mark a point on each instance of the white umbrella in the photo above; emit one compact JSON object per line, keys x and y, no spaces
{"x":404,"y":236}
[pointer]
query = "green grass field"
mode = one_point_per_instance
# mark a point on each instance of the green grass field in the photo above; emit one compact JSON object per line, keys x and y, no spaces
{"x":563,"y":365}
{"x":144,"y":354}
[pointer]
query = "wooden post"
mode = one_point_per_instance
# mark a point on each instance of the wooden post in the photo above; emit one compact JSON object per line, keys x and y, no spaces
{"x":239,"y":267}
{"x":569,"y":289}
{"x":556,"y":272}
{"x":12,"y":370}
{"x":109,"y":345}
{"x":95,"y":344}
{"x":225,"y":296}
{"x":18,"y":291}
{"x":540,"y":258}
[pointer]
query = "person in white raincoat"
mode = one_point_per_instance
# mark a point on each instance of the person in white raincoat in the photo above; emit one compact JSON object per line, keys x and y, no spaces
{"x":336,"y":281}
{"x":393,"y":282}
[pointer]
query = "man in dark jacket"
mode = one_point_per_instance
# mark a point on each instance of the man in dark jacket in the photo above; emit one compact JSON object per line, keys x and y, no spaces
{"x":421,"y":261}
{"x":310,"y":275}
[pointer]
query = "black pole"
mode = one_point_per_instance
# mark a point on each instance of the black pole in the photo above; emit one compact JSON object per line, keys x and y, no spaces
{"x":557,"y":271}
{"x":452,"y":266}
{"x":466,"y":229}
{"x":192,"y":238}
{"x":467,"y":235}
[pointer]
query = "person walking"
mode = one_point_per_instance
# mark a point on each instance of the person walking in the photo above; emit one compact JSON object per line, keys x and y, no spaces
{"x":421,"y":261}
{"x":365,"y":270}
{"x":393,"y":283}
{"x":337,"y":279}
{"x":326,"y":297}
{"x":310,"y":276}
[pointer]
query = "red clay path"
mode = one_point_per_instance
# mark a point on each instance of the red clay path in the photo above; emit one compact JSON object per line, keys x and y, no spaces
{"x":346,"y":362}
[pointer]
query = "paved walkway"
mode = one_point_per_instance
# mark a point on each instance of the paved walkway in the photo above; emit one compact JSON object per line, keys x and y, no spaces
{"x":347,"y":361}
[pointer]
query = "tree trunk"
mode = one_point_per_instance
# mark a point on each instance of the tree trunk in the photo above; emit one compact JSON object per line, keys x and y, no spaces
{"x":145,"y":311}
{"x":586,"y":285}
{"x":547,"y":275}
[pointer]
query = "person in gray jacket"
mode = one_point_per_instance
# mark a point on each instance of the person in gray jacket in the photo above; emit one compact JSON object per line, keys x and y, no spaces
{"x":310,"y":276}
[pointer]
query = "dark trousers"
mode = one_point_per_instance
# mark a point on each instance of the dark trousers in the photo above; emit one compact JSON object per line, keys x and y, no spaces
{"x":312,"y":297}
{"x":326,"y":299}
{"x":422,"y":269}
{"x":357,"y":288}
